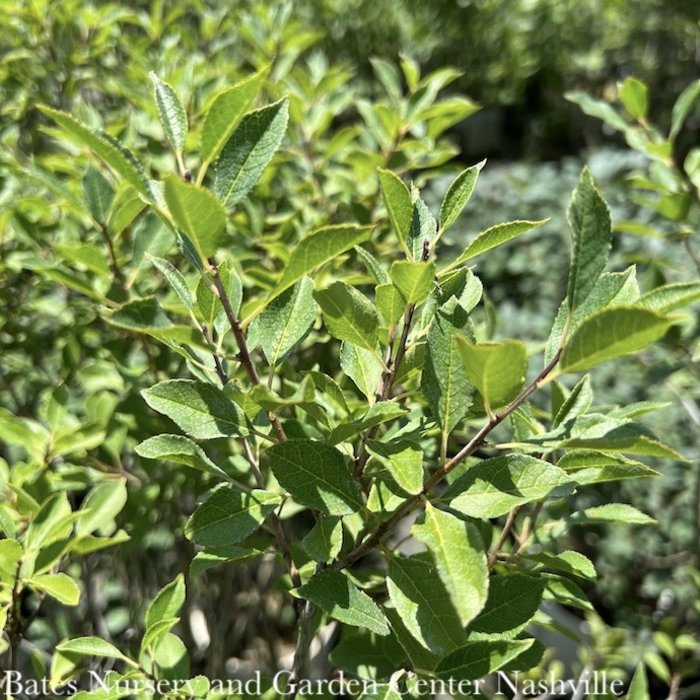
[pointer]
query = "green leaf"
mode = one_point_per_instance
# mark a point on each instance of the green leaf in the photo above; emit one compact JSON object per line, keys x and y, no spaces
{"x":167,"y":603}
{"x":201,"y":410}
{"x":415,"y":280}
{"x":638,"y":689}
{"x":225,"y":114}
{"x":512,"y":602}
{"x":377,"y":414}
{"x":92,"y":646}
{"x":317,"y":475}
{"x":171,"y":112}
{"x":444,"y":380}
{"x":477,"y":659}
{"x":248,"y":152}
{"x":568,"y":561}
{"x":495,"y":486}
{"x":598,"y":109}
{"x":317,"y":248}
{"x":98,"y":193}
{"x":403,"y":460}
{"x":397,"y":200}
{"x":177,"y":449}
{"x":634,"y":96}
{"x":333,"y":592}
{"x":458,"y":195}
{"x":59,"y":586}
{"x":684,"y":104}
{"x":390,"y":303}
{"x":458,"y":552}
{"x":497,"y":370}
{"x":53,"y":522}
{"x":670,"y":296}
{"x":610,"y":333}
{"x":589,"y":220}
{"x":418,"y":655}
{"x":198,"y":214}
{"x":566,"y":592}
{"x":576,"y":403}
{"x":104,"y":502}
{"x":229,"y":515}
{"x":421,"y":231}
{"x":284,"y":322}
{"x":175,"y":280}
{"x":10,"y":553}
{"x":349,"y":315}
{"x":363,"y":367}
{"x":110,"y":151}
{"x":423,"y":604}
{"x":493,"y":237}
{"x":325,"y":539}
{"x":613,"y":513}
{"x":368,"y":655}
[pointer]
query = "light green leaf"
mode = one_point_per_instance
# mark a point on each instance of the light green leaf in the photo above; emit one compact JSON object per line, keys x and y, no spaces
{"x":98,"y":193}
{"x":390,"y":303}
{"x":670,"y":296}
{"x":177,"y":449}
{"x":316,"y":474}
{"x":104,"y":502}
{"x":226,"y":112}
{"x":458,"y":552}
{"x":59,"y":586}
{"x":444,"y":380}
{"x":171,"y":112}
{"x":497,"y":370}
{"x":197,"y":213}
{"x":566,"y":592}
{"x":611,"y":333}
{"x":495,"y":486}
{"x":248,"y":152}
{"x":638,"y":689}
{"x":598,"y":109}
{"x":415,"y":280}
{"x":512,"y":602}
{"x":201,"y":410}
{"x":325,"y":539}
{"x":10,"y":553}
{"x":284,"y":322}
{"x":634,"y":95}
{"x":333,"y":592}
{"x":110,"y":151}
{"x":92,"y":646}
{"x":423,"y":604}
{"x":569,"y":562}
{"x":363,"y":367}
{"x":403,"y":460}
{"x":377,"y":414}
{"x":397,"y":200}
{"x":589,"y":220}
{"x":229,"y":515}
{"x":140,"y":315}
{"x":493,"y":237}
{"x":458,"y":195}
{"x":53,"y":522}
{"x":613,"y":513}
{"x":167,"y":603}
{"x":349,"y":315}
{"x":175,"y":280}
{"x":477,"y":659}
{"x":421,"y":231}
{"x":317,"y":248}
{"x":683,"y":106}
{"x":576,"y":403}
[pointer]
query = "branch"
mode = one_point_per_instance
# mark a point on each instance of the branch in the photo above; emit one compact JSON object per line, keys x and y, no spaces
{"x":239,"y":335}
{"x":472,"y":446}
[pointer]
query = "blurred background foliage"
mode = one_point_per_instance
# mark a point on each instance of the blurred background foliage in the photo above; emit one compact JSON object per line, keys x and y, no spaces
{"x":64,"y":367}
